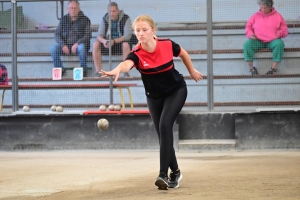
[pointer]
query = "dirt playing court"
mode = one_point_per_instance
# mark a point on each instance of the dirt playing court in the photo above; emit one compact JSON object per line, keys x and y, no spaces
{"x":91,"y":175}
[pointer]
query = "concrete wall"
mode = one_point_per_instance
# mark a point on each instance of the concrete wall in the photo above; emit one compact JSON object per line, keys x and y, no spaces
{"x":76,"y":132}
{"x":248,"y":131}
{"x":51,"y":132}
{"x":194,"y":126}
{"x":271,"y":130}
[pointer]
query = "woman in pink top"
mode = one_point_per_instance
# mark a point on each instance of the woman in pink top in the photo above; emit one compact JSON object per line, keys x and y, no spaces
{"x":265,"y":29}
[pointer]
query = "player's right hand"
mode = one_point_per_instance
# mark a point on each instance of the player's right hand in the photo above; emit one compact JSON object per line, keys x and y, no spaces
{"x":114,"y":73}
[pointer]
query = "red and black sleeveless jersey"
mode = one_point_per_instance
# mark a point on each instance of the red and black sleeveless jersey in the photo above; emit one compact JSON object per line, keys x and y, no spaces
{"x":157,"y":69}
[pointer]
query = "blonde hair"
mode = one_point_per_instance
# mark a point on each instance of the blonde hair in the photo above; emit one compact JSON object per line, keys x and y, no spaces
{"x":144,"y":18}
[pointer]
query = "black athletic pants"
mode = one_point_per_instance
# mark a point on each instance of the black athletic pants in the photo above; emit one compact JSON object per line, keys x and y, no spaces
{"x":164,"y":112}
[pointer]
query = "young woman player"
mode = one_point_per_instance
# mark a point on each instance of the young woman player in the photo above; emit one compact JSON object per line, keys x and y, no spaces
{"x":165,"y":89}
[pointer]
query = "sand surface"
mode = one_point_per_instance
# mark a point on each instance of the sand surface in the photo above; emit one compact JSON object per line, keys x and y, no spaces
{"x":89,"y":175}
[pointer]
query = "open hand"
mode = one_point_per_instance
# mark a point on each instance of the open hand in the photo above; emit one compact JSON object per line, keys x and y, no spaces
{"x":108,"y":43}
{"x":65,"y":49}
{"x":114,"y":73}
{"x":197,"y":76}
{"x":74,"y":48}
{"x":253,"y":37}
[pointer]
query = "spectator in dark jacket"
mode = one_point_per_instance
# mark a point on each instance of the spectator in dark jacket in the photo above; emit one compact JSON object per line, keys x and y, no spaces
{"x":72,"y":35}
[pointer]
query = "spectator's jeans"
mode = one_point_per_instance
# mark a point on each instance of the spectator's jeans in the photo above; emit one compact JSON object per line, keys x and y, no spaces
{"x":56,"y":52}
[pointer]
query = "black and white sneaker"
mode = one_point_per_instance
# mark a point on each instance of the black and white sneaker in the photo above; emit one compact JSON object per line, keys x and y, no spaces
{"x":175,"y":178}
{"x":162,"y":181}
{"x":254,"y":71}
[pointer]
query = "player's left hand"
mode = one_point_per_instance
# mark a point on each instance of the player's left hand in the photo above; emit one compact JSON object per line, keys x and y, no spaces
{"x":197,"y":76}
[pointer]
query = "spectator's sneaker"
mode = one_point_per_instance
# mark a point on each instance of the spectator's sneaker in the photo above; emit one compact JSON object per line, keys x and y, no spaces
{"x":175,"y":178}
{"x":254,"y":71}
{"x":162,"y":181}
{"x":97,"y":74}
{"x":63,"y":72}
{"x":272,"y":71}
{"x":84,"y":73}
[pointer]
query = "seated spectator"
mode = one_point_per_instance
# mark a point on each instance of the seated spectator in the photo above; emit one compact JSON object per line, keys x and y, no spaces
{"x":265,"y":29}
{"x":120,"y":33}
{"x":3,"y":75}
{"x":72,"y":35}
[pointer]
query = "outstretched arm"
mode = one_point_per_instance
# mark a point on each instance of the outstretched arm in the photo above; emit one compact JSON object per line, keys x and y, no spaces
{"x":123,"y":67}
{"x":185,"y":58}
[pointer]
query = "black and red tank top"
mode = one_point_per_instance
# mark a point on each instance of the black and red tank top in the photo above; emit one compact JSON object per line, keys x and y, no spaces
{"x":157,"y":69}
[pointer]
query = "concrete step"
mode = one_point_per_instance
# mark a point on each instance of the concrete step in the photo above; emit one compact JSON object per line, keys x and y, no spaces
{"x":188,"y":39}
{"x":207,"y":145}
{"x":194,"y":10}
{"x":247,"y":90}
{"x":223,"y":64}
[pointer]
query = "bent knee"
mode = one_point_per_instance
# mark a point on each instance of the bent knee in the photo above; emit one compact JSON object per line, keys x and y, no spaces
{"x":125,"y":45}
{"x":55,"y":47}
{"x":96,"y":44}
{"x":81,"y":47}
{"x":278,"y":43}
{"x":248,"y":43}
